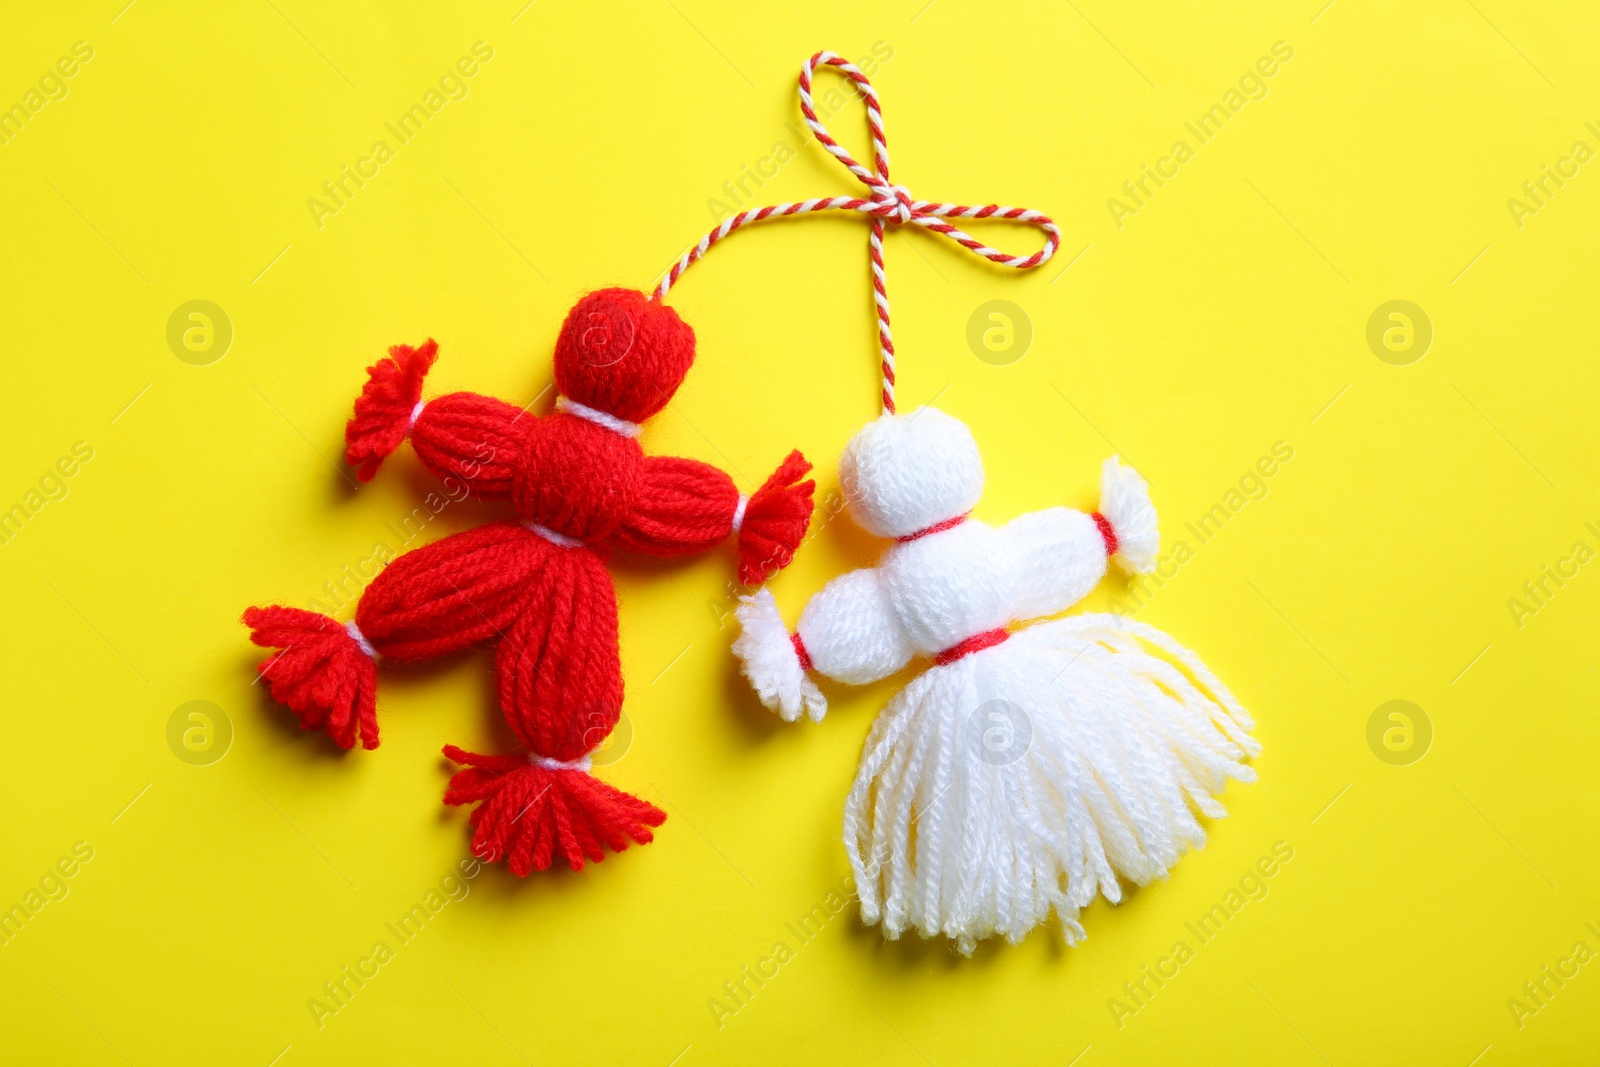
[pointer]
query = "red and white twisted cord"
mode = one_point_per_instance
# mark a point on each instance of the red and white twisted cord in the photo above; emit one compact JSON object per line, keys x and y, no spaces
{"x":885,"y":202}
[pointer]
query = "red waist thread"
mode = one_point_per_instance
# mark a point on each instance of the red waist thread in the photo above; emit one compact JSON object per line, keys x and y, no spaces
{"x":975,"y":643}
{"x":1107,"y":534}
{"x":801,"y":651}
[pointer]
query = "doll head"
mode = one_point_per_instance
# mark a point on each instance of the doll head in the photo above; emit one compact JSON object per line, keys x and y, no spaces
{"x":622,"y":353}
{"x":905,"y":473}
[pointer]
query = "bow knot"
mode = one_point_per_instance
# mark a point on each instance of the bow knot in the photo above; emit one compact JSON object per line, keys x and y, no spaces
{"x":885,"y":202}
{"x":890,"y":201}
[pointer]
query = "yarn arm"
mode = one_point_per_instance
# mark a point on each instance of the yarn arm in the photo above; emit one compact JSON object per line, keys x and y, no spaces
{"x":477,"y":441}
{"x":473,"y":440}
{"x":1062,"y":554}
{"x":682,"y":506}
{"x":848,"y":632}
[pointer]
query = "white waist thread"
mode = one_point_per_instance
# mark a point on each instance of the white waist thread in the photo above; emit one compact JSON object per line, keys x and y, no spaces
{"x":582,"y":763}
{"x":361,"y":639}
{"x":738,"y":513}
{"x":554,"y":538}
{"x":598,"y":417}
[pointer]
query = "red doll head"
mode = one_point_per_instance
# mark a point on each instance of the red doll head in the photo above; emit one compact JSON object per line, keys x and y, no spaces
{"x":622,"y":353}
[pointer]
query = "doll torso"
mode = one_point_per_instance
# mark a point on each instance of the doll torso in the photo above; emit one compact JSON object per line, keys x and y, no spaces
{"x":948,"y":586}
{"x":577,"y":478}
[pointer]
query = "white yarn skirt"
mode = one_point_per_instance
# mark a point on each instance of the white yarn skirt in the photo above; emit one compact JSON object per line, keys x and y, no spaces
{"x":1030,"y":776}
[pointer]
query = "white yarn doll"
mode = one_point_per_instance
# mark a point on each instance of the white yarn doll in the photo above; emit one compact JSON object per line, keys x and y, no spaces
{"x":1025,"y":770}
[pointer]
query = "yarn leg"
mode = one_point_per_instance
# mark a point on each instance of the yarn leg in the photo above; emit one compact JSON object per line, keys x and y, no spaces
{"x":560,"y":686}
{"x":454,"y":593}
{"x":435,"y":600}
{"x":559,"y":667}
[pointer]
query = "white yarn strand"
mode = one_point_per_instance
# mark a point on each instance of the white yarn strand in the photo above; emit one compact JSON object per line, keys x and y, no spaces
{"x":598,"y":417}
{"x":361,"y":639}
{"x":738,"y":514}
{"x":582,"y":763}
{"x":554,"y":538}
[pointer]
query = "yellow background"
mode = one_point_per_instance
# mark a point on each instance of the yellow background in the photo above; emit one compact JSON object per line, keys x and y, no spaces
{"x":1227,"y":315}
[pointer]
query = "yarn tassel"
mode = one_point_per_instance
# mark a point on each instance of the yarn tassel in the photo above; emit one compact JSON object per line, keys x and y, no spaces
{"x":383,"y":410}
{"x":1125,"y":504}
{"x":323,"y":675}
{"x":530,"y":814}
{"x":775,"y":521}
{"x":1073,"y":757}
{"x":770,"y":656}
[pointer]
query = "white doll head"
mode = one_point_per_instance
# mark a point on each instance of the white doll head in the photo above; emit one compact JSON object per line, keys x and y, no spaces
{"x":904,"y":473}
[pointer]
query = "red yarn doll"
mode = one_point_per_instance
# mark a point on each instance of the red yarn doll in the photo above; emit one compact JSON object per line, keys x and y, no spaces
{"x":536,"y":585}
